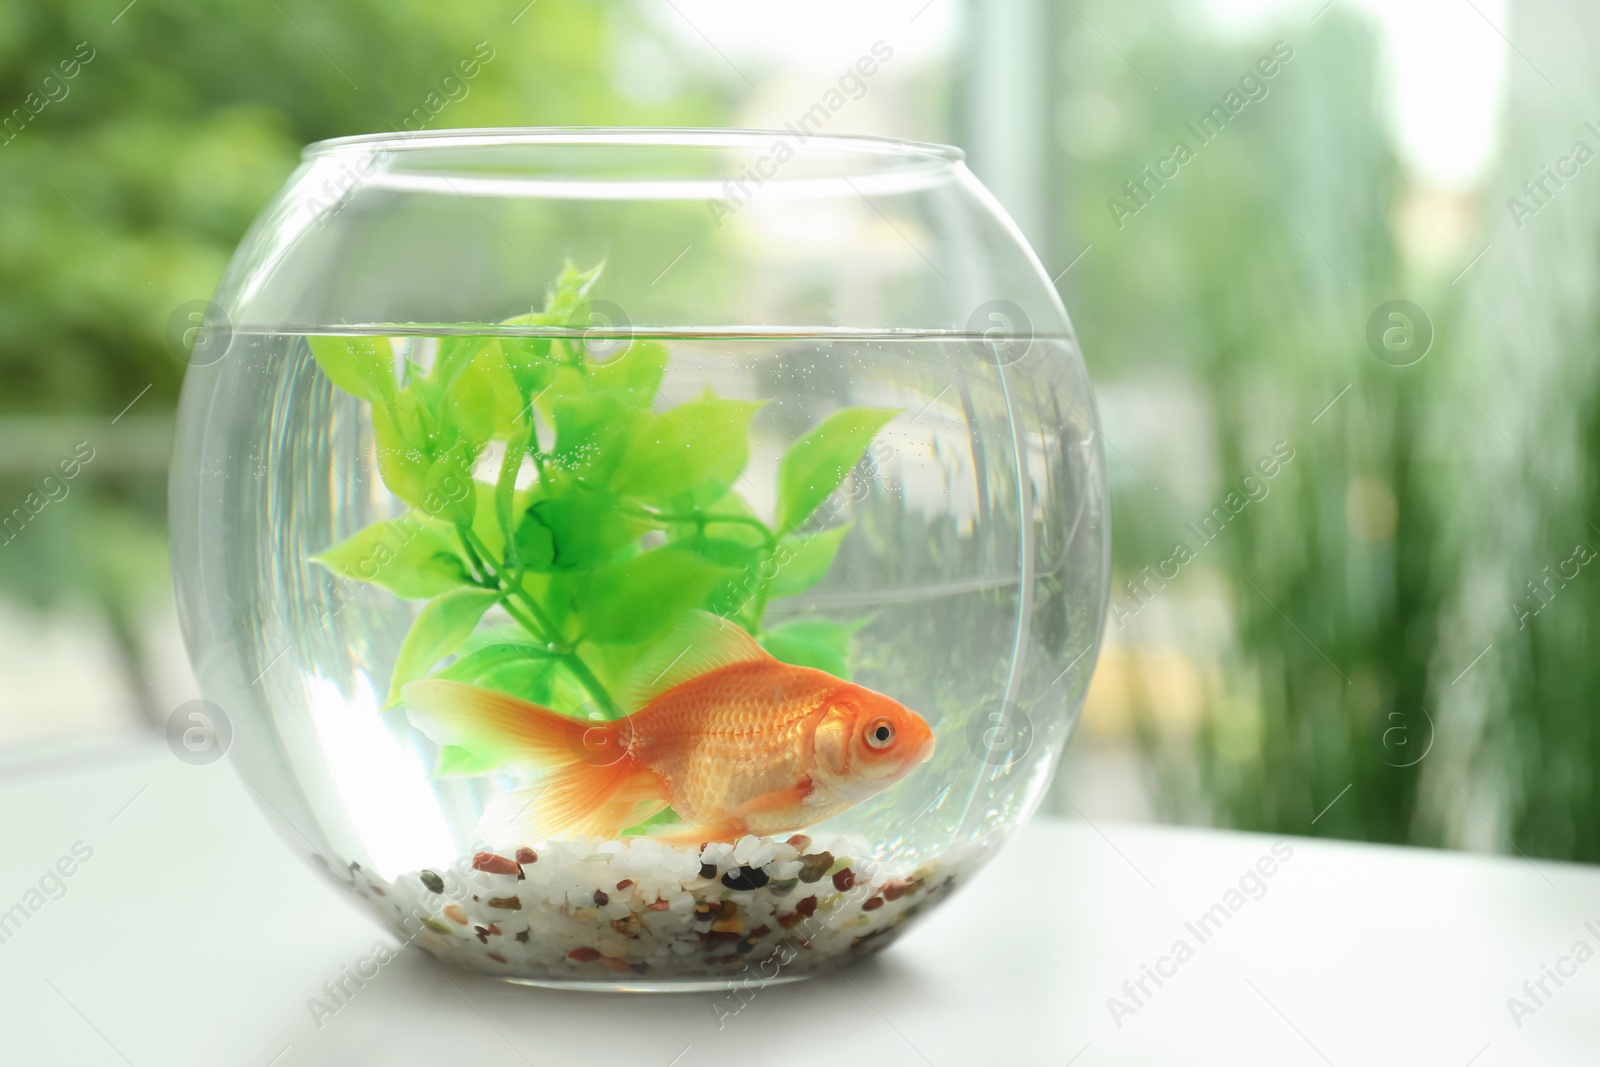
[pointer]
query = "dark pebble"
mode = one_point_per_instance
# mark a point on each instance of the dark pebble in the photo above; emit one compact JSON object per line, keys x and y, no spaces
{"x":844,"y":879}
{"x":723,"y":935}
{"x":432,"y":880}
{"x":812,"y":868}
{"x":807,"y":907}
{"x":873,"y":904}
{"x":745,"y":878}
{"x":495,"y":956}
{"x":585,"y":954}
{"x":600,"y":899}
{"x":639,"y":968}
{"x":704,"y":913}
{"x":507,"y":903}
{"x":527,"y":855}
{"x":522,"y":935}
{"x":708,"y":870}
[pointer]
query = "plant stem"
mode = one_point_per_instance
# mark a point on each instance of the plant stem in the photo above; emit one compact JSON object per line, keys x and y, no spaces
{"x":481,"y":572}
{"x":703,"y":519}
{"x":763,"y":591}
{"x":540,"y":626}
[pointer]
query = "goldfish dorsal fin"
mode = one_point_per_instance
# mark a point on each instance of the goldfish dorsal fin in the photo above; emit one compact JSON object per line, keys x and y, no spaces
{"x":697,"y":643}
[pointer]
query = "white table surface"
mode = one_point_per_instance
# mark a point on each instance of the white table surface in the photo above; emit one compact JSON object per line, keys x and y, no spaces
{"x":195,"y":936}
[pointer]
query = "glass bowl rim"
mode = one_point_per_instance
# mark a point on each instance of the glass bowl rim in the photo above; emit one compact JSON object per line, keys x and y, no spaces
{"x":708,"y":138}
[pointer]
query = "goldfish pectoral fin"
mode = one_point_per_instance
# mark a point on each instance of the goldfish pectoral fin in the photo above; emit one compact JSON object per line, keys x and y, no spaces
{"x":626,"y":813}
{"x":778,"y":802}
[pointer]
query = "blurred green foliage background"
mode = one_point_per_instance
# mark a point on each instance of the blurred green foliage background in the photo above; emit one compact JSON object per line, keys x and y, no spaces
{"x":1345,"y":657}
{"x":1393,"y":643}
{"x":127,"y":190}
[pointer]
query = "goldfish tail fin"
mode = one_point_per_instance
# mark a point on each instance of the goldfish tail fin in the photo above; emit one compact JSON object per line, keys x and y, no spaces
{"x":589,"y":782}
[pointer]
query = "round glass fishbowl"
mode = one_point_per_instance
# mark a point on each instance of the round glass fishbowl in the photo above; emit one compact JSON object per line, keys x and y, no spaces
{"x":640,"y":559}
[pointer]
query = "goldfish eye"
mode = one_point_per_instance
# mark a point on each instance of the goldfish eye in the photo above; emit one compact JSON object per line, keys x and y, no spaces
{"x":880,"y":733}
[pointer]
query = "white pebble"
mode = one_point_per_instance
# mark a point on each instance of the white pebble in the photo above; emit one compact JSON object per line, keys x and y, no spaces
{"x":745,"y":849}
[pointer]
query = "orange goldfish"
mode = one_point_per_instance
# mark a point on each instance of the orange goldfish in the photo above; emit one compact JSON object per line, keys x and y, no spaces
{"x":733,"y":740}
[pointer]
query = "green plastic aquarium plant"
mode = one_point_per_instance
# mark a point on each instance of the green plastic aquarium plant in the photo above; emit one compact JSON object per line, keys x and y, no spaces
{"x":605,"y":521}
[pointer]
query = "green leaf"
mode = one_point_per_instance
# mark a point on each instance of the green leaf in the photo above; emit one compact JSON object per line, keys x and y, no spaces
{"x":411,"y":557}
{"x":571,"y":292}
{"x":632,"y":601}
{"x":448,"y":489}
{"x":411,"y":417}
{"x":703,"y":442}
{"x":532,"y":369}
{"x":519,"y":669}
{"x":589,"y":430}
{"x":802,"y":562}
{"x":361,"y":366}
{"x":743,"y":561}
{"x":507,"y":633}
{"x":505,"y":486}
{"x":401,"y":466}
{"x":486,"y":521}
{"x":815,"y":465}
{"x":485,"y":660}
{"x":440,"y":628}
{"x":529,"y":679}
{"x":577,"y":529}
{"x":483,"y":400}
{"x":716,"y":508}
{"x":724,"y":552}
{"x":634,"y":376}
{"x":456,"y":354}
{"x":820,"y":643}
{"x":458,"y":762}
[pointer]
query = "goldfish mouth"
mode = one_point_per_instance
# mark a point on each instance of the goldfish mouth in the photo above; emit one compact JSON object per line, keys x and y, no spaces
{"x":925,"y":753}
